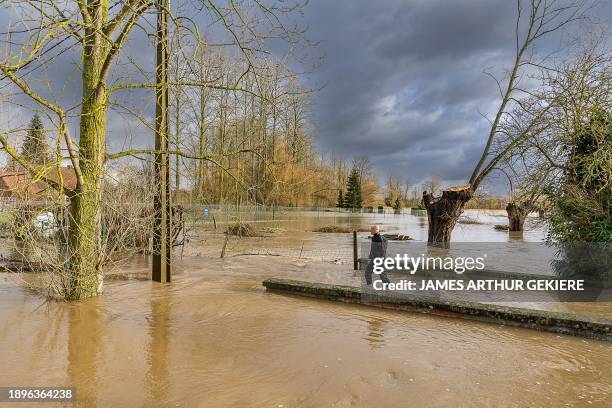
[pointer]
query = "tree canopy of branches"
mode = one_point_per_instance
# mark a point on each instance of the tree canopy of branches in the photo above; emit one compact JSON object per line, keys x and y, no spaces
{"x":535,"y":20}
{"x":97,"y":33}
{"x":569,"y":148}
{"x":263,"y":146}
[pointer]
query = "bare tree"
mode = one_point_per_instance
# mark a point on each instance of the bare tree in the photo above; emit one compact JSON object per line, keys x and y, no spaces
{"x":580,"y":88}
{"x":393,"y":188}
{"x":526,"y":193}
{"x":535,"y":20}
{"x":433,"y":185}
{"x":98,"y":32}
{"x":406,"y":189}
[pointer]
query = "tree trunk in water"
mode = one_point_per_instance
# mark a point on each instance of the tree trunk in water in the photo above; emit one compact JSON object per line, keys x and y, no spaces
{"x":517,"y":213}
{"x":85,"y":227}
{"x":84,"y":242}
{"x":443,"y":213}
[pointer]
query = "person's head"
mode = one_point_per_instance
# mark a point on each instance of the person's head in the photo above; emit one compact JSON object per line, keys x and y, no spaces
{"x":374,"y":229}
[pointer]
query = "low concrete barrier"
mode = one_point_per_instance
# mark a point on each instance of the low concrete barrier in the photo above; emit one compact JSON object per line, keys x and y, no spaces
{"x":557,"y":322}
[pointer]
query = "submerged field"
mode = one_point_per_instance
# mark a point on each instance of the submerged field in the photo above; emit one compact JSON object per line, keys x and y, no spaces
{"x":214,"y":337}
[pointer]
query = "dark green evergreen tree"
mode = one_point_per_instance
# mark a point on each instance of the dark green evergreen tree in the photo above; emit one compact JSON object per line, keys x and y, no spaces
{"x":397,"y":205}
{"x":581,"y":210}
{"x":353,"y":199}
{"x":581,"y":213}
{"x":35,"y":148}
{"x":340,"y":203}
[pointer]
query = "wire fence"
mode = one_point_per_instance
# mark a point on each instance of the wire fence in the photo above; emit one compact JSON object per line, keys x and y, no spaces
{"x":257,"y":212}
{"x":334,"y":255}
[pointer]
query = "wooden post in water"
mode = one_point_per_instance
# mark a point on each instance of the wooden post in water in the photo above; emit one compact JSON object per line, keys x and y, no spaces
{"x":162,"y":230}
{"x":224,"y":246}
{"x":355,"y":254}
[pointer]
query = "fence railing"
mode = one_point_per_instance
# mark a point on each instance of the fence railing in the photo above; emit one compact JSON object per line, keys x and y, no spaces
{"x":228,"y":208}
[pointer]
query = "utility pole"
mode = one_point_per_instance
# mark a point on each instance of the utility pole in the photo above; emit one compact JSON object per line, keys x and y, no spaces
{"x":162,"y":231}
{"x":355,"y":252}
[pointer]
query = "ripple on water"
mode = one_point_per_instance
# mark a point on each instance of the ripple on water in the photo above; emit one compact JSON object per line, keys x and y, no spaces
{"x":217,"y":339}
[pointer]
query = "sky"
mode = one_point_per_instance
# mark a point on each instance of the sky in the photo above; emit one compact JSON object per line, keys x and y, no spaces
{"x":402,"y":81}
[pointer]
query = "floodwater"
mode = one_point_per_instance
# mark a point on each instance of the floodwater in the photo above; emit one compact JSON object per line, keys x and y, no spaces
{"x":216,"y":338}
{"x":480,"y":230}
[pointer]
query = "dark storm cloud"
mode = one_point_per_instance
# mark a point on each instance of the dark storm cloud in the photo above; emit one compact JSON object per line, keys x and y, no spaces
{"x":405,"y":83}
{"x":59,"y":80}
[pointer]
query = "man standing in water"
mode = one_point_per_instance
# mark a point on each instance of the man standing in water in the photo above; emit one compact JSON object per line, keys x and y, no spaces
{"x":377,"y":250}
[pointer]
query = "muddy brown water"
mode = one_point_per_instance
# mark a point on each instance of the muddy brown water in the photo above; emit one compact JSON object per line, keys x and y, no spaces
{"x":216,"y":338}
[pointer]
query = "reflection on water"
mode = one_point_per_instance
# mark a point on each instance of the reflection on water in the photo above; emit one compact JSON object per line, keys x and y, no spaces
{"x":84,"y":344}
{"x":158,"y":381}
{"x":422,"y":223}
{"x":376,"y":333}
{"x":515,"y":236}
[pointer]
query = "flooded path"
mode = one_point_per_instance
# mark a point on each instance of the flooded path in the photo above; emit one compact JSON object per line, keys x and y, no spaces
{"x":216,"y":338}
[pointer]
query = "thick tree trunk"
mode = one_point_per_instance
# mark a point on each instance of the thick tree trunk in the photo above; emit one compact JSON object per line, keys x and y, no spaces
{"x":84,"y":241}
{"x":517,"y":213}
{"x":443,"y":213}
{"x":202,"y":143}
{"x":85,"y":227}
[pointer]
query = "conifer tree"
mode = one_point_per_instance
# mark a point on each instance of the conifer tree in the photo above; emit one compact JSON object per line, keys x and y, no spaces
{"x":353,"y":198}
{"x":397,"y":205}
{"x":340,"y":203}
{"x":35,"y":148}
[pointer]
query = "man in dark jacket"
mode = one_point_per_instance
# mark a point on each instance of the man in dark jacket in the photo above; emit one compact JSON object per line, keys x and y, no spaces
{"x":377,"y":250}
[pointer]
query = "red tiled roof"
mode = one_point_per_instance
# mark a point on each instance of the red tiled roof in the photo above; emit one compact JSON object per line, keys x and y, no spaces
{"x":19,"y":183}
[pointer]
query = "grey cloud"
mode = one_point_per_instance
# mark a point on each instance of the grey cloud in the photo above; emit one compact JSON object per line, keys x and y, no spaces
{"x":405,"y":82}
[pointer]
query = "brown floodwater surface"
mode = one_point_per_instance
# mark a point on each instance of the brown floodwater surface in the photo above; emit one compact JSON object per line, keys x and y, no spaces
{"x":216,"y":338}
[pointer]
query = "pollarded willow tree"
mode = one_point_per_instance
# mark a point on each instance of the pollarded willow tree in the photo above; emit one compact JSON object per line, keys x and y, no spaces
{"x":527,"y":174}
{"x":97,"y":32}
{"x":527,"y":189}
{"x":536,"y":19}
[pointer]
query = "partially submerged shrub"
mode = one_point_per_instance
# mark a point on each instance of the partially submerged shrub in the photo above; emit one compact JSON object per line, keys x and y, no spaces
{"x":469,"y":221}
{"x":42,"y":229}
{"x":243,"y":229}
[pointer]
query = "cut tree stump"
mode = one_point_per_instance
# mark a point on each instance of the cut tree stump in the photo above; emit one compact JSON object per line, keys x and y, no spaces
{"x":443,"y":213}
